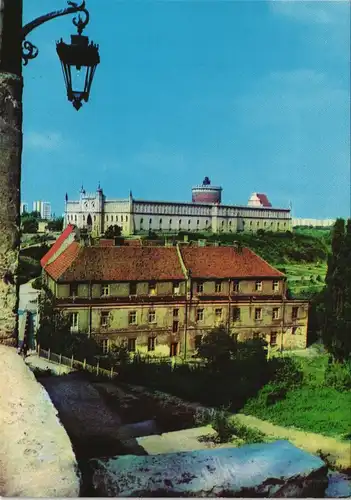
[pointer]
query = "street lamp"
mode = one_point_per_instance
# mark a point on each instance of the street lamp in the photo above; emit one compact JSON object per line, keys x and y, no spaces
{"x":79,"y":54}
{"x":15,"y":52}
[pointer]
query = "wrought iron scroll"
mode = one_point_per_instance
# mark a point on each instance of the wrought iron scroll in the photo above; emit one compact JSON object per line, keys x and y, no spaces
{"x":30,"y":51}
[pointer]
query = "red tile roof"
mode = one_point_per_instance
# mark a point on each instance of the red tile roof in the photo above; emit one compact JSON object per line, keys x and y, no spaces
{"x":56,"y":246}
{"x":57,"y":267}
{"x":264,"y":200}
{"x":226,"y":262}
{"x":129,"y":263}
{"x":122,"y":263}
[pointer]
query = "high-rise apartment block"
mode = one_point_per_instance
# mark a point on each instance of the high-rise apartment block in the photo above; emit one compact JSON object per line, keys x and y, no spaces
{"x":24,"y":208}
{"x":44,"y":208}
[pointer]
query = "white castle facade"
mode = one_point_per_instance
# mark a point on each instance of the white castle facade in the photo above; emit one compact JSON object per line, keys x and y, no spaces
{"x":204,"y":214}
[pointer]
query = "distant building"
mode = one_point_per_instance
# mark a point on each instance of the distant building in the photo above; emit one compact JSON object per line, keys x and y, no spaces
{"x":313,"y":222}
{"x":44,"y":208}
{"x":162,"y":300}
{"x":205,"y":213}
{"x":24,"y":208}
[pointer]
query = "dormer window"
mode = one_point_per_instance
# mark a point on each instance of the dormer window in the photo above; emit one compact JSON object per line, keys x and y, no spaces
{"x":176,"y":288}
{"x":258,"y":286}
{"x":73,"y":289}
{"x":152,"y":288}
{"x":199,"y":287}
{"x":105,"y":290}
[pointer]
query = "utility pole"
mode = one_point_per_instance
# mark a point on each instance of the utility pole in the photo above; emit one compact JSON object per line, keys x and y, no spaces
{"x":11,"y":86}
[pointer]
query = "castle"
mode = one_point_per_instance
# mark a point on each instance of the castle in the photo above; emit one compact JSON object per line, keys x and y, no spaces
{"x":205,"y":213}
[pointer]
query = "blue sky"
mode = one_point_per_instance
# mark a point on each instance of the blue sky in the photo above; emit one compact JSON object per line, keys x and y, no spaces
{"x":254,"y":94}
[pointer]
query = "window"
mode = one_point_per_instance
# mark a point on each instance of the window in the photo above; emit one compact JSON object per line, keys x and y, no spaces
{"x":218,"y":314}
{"x":275,"y":313}
{"x":176,"y":288}
{"x":104,"y":318}
{"x":236,"y":313}
{"x":73,"y":289}
{"x":175,"y":313}
{"x":111,"y":218}
{"x":150,"y":222}
{"x":106,"y":218}
{"x":83,"y":217}
{"x":173,"y":351}
{"x":126,"y":218}
{"x":152,"y":316}
{"x":160,"y":222}
{"x":94,"y":218}
{"x":75,"y":218}
{"x":258,"y":286}
{"x":132,"y":288}
{"x":180,"y":222}
{"x":105,"y":347}
{"x":141,"y":221}
{"x":275,"y":285}
{"x":198,"y":341}
{"x":132,"y":318}
{"x":294,"y":330}
{"x":74,"y":321}
{"x":189,"y":222}
{"x":116,"y":218}
{"x":294,"y":313}
{"x":105,"y":290}
{"x":197,"y":222}
{"x":121,"y":218}
{"x":273,"y":339}
{"x":258,"y":313}
{"x":218,"y":286}
{"x":151,"y":341}
{"x":206,"y":223}
{"x":170,"y":222}
{"x":175,"y":326}
{"x":131,"y":345}
{"x":152,"y":288}
{"x":236,"y":286}
{"x":199,"y":315}
{"x":199,"y":287}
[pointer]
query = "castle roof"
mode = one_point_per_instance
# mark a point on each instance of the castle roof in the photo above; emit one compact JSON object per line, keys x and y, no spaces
{"x":131,"y":263}
{"x":263,"y":199}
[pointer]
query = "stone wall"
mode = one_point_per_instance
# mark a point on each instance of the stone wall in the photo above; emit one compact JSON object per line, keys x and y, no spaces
{"x":36,"y":455}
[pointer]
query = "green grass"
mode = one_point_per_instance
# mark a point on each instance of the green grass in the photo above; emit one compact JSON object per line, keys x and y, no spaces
{"x":313,"y":407}
{"x":299,"y":276}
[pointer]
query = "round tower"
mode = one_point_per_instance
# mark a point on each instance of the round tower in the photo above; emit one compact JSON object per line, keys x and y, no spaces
{"x":205,"y":193}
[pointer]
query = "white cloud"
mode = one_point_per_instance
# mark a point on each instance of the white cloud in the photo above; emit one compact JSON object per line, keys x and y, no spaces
{"x":47,"y":141}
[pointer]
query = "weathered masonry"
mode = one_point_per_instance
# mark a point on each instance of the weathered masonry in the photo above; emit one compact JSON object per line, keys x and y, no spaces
{"x":162,"y":300}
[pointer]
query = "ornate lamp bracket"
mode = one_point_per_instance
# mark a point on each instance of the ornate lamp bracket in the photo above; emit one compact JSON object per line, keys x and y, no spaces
{"x":29,"y":50}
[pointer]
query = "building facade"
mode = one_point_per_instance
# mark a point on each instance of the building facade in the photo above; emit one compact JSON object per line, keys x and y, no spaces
{"x":204,"y":214}
{"x":44,"y":208}
{"x":24,"y":208}
{"x":162,"y":300}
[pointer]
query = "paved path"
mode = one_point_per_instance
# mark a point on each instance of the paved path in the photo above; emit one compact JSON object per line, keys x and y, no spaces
{"x":34,"y":361}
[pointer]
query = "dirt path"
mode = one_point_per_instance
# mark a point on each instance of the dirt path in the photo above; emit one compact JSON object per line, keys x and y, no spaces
{"x":337,"y":452}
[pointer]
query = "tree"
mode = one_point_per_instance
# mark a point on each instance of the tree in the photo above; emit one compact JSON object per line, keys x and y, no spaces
{"x":337,"y":323}
{"x":30,"y":225}
{"x":217,"y":347}
{"x":56,"y":224}
{"x":113,"y":232}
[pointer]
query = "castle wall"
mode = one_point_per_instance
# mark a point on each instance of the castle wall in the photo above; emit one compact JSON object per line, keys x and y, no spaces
{"x":139,"y":216}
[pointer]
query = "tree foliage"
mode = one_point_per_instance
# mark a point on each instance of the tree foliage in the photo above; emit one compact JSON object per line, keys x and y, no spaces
{"x":55,"y":225}
{"x":30,"y":225}
{"x":113,"y":232}
{"x":337,"y":297}
{"x":55,"y":333}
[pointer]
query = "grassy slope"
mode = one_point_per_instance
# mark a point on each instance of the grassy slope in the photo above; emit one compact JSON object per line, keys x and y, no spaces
{"x":312,"y":407}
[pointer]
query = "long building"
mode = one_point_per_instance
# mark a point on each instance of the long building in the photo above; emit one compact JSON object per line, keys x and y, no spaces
{"x":162,"y":300}
{"x":204,"y":213}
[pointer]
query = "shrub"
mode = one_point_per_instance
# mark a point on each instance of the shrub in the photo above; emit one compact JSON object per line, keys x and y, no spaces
{"x":228,"y":427}
{"x":338,"y":376}
{"x":37,"y":283}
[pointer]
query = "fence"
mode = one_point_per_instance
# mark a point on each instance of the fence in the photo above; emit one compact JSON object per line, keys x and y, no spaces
{"x":75,"y":364}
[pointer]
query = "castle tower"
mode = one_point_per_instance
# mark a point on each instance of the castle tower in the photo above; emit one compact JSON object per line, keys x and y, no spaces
{"x":205,"y":193}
